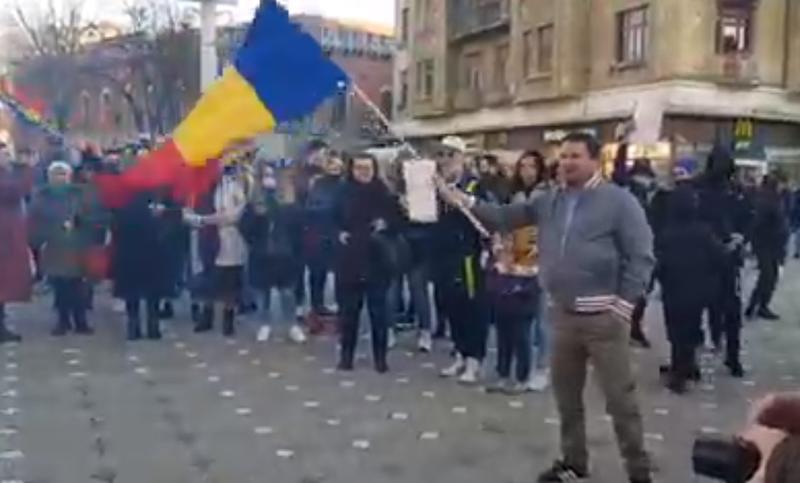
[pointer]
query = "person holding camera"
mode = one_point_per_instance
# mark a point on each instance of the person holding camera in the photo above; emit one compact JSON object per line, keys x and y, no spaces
{"x":767,"y":450}
{"x":596,"y":259}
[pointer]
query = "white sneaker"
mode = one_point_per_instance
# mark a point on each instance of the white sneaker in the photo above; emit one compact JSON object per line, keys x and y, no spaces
{"x":456,"y":369}
{"x":391,"y":339}
{"x":263,"y":333}
{"x":118,"y":306}
{"x":297,"y":335}
{"x":539,"y":381}
{"x":299,"y":312}
{"x":425,"y":342}
{"x":471,"y":372}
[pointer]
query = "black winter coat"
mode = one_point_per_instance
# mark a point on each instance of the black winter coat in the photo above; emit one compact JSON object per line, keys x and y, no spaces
{"x":275,"y":256}
{"x":361,"y":258}
{"x":148,"y":250}
{"x":770,"y":230}
{"x":690,"y":257}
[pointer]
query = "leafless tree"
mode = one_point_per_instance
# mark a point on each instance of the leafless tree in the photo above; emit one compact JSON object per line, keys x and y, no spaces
{"x":52,"y":38}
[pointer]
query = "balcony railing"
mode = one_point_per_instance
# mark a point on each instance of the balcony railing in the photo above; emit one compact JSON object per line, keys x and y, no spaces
{"x":472,"y":17}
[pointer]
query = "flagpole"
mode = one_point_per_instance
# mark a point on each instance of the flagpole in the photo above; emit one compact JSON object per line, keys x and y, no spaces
{"x":405,"y":144}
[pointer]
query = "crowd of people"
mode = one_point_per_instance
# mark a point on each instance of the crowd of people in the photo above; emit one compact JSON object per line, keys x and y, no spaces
{"x":559,"y":260}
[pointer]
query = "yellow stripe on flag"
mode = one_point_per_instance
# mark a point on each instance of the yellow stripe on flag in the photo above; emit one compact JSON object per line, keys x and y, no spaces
{"x":229,"y":112}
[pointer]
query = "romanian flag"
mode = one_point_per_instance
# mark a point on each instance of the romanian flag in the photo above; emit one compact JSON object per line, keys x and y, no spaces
{"x":279,"y":74}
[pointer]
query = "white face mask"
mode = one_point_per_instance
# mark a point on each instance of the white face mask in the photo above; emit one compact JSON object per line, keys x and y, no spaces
{"x":269,"y":183}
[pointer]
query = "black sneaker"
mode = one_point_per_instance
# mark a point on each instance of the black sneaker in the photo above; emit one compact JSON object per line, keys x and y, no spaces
{"x":646,"y":479}
{"x":561,"y":472}
{"x":735,"y":369}
{"x":766,"y":314}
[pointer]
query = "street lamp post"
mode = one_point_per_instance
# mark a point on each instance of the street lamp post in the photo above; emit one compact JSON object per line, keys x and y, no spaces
{"x":209,"y":63}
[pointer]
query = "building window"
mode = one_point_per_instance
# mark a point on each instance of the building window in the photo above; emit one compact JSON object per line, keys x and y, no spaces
{"x":527,"y":53}
{"x":734,"y":30}
{"x":425,"y":78}
{"x":632,"y":36}
{"x":544,"y":48}
{"x":404,"y":26}
{"x":471,"y":72}
{"x":501,"y":67}
{"x":422,"y":13}
{"x":86,"y":103}
{"x":106,"y":107}
{"x":403,"y":101}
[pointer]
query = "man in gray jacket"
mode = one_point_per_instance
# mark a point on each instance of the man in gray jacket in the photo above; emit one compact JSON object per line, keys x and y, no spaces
{"x":596,"y":256}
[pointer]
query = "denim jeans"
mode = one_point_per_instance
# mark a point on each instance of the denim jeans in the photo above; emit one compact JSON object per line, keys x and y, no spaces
{"x":513,"y":345}
{"x":419,"y":287}
{"x":288,"y":307}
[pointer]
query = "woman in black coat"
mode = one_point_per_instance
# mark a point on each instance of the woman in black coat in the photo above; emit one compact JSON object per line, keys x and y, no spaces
{"x":689,"y":258}
{"x":366,"y":214}
{"x":769,"y":237}
{"x":143,"y":262}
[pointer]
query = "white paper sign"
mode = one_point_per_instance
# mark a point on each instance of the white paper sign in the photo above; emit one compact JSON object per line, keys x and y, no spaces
{"x":421,"y":190}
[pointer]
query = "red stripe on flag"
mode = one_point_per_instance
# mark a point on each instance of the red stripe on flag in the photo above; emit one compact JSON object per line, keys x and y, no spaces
{"x":158,"y":169}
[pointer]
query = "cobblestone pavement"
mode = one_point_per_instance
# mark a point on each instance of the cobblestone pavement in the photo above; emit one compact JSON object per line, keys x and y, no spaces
{"x":198,"y":408}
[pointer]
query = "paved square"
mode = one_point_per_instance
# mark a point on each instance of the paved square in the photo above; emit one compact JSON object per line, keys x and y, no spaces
{"x":198,"y":408}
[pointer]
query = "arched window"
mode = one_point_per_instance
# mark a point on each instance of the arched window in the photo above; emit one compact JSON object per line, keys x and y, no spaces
{"x":86,"y":106}
{"x":106,"y":107}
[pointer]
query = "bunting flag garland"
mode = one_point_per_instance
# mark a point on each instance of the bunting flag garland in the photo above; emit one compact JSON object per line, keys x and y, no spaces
{"x":29,"y":115}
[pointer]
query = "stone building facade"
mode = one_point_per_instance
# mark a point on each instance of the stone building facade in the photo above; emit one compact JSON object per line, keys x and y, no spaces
{"x":516,"y":73}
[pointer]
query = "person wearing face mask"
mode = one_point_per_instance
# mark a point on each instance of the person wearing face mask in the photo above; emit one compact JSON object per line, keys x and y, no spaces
{"x":62,"y":227}
{"x":222,"y":249}
{"x":319,"y":235}
{"x":366,"y":213}
{"x":143,"y":259}
{"x":270,"y":225}
{"x":309,"y":168}
{"x":16,"y":278}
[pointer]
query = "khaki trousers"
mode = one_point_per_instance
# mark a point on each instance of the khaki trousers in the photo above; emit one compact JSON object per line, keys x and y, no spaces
{"x":603,"y":340}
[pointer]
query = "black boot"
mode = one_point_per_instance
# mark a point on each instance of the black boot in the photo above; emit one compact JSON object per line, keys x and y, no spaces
{"x":750,"y":311}
{"x":134,"y":327}
{"x":379,"y":350}
{"x":167,"y":311}
{"x":206,"y":320}
{"x":6,"y":335}
{"x":228,"y":323}
{"x":63,"y":325}
{"x":196,"y":313}
{"x":153,"y":327}
{"x":348,"y":350}
{"x":735,"y":368}
{"x":767,"y":314}
{"x":81,"y":324}
{"x":346,"y":359}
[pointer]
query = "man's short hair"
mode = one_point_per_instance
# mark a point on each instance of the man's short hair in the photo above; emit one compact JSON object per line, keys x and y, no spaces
{"x":593,"y":146}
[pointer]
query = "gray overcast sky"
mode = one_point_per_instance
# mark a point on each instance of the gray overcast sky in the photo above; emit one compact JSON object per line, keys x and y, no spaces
{"x":377,"y":11}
